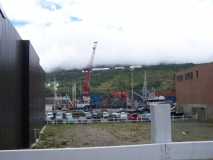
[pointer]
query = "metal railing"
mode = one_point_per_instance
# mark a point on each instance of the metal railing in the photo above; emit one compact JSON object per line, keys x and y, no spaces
{"x":89,"y":121}
{"x":161,"y":151}
{"x":114,"y":120}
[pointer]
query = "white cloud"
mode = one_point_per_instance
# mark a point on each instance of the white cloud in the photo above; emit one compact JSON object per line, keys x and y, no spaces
{"x":130,"y":31}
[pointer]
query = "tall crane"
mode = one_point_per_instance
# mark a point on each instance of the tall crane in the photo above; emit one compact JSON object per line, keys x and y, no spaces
{"x":87,"y":76}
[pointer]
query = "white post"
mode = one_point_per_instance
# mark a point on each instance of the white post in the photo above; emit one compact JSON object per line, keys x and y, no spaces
{"x":160,"y":123}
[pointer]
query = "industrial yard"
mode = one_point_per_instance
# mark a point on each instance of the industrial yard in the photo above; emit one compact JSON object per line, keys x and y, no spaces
{"x":114,"y":106}
{"x":85,"y":135}
{"x":106,"y":80}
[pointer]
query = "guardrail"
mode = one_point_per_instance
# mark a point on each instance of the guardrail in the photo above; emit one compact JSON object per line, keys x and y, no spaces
{"x":162,"y":151}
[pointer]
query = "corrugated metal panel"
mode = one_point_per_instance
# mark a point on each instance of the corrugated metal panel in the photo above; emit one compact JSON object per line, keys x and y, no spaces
{"x":21,"y":89}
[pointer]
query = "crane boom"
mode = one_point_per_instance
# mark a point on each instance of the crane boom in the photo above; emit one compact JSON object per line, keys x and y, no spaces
{"x":87,"y":75}
{"x":90,"y":65}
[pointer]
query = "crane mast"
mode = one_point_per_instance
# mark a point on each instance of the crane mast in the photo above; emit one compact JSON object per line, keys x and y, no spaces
{"x":87,"y":76}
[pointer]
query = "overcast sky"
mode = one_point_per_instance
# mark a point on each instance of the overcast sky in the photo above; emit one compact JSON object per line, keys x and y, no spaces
{"x":128,"y":31}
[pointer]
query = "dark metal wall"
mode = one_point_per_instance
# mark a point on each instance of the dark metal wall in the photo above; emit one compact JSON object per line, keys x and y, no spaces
{"x":21,"y":89}
{"x":36,"y":94}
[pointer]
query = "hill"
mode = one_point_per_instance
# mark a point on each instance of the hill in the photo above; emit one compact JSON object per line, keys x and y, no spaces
{"x":159,"y":77}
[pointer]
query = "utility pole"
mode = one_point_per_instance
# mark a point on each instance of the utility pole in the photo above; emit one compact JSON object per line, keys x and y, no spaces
{"x":80,"y":88}
{"x":74,"y":94}
{"x":55,"y":88}
{"x":144,"y":90}
{"x":132,"y":87}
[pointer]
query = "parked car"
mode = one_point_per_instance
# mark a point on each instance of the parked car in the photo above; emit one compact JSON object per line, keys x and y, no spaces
{"x":146,"y":116}
{"x":88,"y":115}
{"x":69,"y":118}
{"x":94,"y":115}
{"x":123,"y":116}
{"x":112,"y":117}
{"x":49,"y":117}
{"x":140,"y":109}
{"x":59,"y":117}
{"x":100,"y":115}
{"x":82,"y":119}
{"x":134,"y":117}
{"x":105,"y":115}
{"x":78,"y":113}
{"x":116,"y":115}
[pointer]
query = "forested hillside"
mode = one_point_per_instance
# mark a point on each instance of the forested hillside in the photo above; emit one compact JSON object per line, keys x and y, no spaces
{"x":159,"y":77}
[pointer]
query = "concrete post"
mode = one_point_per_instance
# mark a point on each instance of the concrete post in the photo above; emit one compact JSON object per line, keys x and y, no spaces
{"x":160,"y":123}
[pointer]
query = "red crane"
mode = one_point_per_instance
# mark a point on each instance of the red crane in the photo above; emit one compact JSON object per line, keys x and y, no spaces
{"x":87,"y":76}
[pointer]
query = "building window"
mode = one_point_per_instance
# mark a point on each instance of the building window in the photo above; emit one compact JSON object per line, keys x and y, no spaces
{"x":189,"y":76}
{"x":179,"y":77}
{"x":197,"y":74}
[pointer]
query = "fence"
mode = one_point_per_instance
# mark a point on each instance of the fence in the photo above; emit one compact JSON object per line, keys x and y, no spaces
{"x":114,"y":120}
{"x":89,"y":121}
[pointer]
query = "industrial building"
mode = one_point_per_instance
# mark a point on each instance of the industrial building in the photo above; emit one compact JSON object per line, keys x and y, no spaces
{"x":194,"y":91}
{"x":21,"y":89}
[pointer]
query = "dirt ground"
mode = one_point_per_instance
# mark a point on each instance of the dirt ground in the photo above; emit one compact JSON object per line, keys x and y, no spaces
{"x":87,"y":135}
{"x":192,"y":131}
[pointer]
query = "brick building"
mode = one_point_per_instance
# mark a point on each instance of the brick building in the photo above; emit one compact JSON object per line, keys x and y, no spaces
{"x":194,"y":91}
